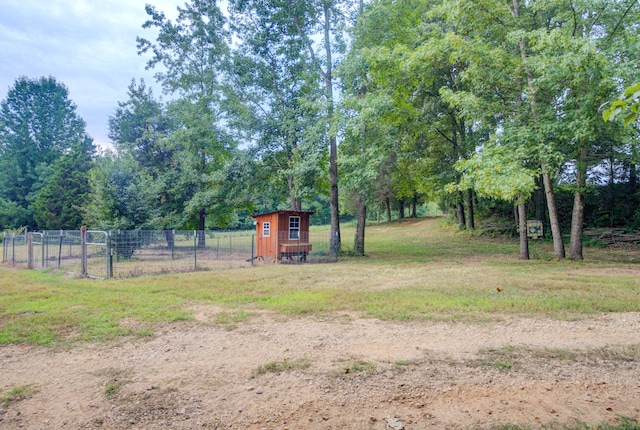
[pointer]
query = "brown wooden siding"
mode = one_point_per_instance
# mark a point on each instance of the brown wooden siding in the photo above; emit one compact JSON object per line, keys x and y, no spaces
{"x":278,"y":242}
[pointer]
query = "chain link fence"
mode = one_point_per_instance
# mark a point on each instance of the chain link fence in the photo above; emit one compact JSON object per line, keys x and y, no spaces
{"x":14,"y":249}
{"x":128,"y":253}
{"x":138,"y":252}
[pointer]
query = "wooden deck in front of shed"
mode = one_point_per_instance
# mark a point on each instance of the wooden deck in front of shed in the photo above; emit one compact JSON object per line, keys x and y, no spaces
{"x":288,"y":250}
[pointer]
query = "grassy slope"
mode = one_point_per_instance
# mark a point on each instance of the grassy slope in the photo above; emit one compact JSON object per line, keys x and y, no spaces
{"x":413,"y":271}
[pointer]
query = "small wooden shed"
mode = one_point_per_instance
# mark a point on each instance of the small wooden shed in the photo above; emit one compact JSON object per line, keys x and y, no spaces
{"x":283,"y":234}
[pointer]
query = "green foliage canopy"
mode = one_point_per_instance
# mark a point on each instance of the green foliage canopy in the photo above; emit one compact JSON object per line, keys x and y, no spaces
{"x":38,"y":124}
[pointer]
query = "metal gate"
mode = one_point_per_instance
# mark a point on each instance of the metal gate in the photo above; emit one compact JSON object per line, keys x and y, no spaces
{"x":36,"y":250}
{"x":96,"y":254}
{"x":86,"y":252}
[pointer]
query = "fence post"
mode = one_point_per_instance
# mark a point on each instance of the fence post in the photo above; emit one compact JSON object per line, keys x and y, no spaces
{"x":61,"y":239}
{"x":83,"y":250}
{"x":45,"y":242}
{"x":42,"y":250}
{"x":173,"y":244}
{"x":107,"y":253}
{"x":195,"y":249}
{"x":253,"y":239}
{"x":29,"y":250}
{"x":110,"y":255}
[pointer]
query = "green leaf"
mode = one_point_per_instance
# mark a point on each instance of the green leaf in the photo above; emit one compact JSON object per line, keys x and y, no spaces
{"x":633,"y":92}
{"x":630,"y":118}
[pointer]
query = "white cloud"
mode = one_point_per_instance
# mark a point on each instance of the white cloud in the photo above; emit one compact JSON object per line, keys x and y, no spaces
{"x":90,"y":46}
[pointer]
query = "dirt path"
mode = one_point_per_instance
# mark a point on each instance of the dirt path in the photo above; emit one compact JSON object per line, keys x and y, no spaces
{"x":345,"y":373}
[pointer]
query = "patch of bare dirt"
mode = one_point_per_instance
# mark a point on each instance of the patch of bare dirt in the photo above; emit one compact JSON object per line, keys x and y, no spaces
{"x":357,"y":374}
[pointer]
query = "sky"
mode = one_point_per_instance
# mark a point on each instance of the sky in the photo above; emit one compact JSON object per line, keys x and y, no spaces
{"x":88,"y":45}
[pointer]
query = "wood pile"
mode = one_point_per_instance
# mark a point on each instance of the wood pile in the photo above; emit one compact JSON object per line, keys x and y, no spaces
{"x":613,"y":236}
{"x":498,"y":229}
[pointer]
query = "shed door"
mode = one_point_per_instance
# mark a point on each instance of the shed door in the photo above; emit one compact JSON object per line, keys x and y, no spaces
{"x":266,"y":240}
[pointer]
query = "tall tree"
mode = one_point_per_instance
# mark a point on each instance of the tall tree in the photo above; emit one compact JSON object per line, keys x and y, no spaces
{"x":573,"y":59}
{"x":38,"y":123}
{"x":366,"y":140}
{"x":201,"y":150}
{"x":412,"y":73}
{"x":60,"y":203}
{"x":304,"y":23}
{"x":138,"y":126}
{"x":324,"y":17}
{"x":366,"y":144}
{"x":540,"y":51}
{"x":532,"y":91}
{"x":329,"y":21}
{"x":140,"y":129}
{"x":272,"y":97}
{"x":465,"y":77}
{"x":193,"y":51}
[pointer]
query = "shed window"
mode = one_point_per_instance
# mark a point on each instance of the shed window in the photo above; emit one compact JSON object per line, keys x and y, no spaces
{"x":266,"y":229}
{"x":294,"y":228}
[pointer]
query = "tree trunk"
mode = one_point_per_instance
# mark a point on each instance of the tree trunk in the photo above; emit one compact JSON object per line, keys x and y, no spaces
{"x":169,"y":235}
{"x":401,"y":210}
{"x":296,"y":203}
{"x":460,"y":215}
{"x":633,"y":177}
{"x":522,"y":229}
{"x":202,"y":215}
{"x":333,"y":143}
{"x":612,"y":192}
{"x":556,"y":234}
{"x":387,"y":203}
{"x":333,"y":201}
{"x":539,"y":201}
{"x":577,"y":216}
{"x":522,"y":45}
{"x":468,"y":196}
{"x":414,"y":206}
{"x":575,"y":245}
{"x":358,"y":246}
{"x":558,"y":245}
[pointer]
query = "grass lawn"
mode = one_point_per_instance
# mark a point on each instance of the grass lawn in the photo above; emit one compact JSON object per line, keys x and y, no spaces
{"x":415,"y":270}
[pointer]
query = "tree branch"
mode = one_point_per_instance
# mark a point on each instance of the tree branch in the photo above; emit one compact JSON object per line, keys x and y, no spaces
{"x":597,"y":18}
{"x":575,"y":19}
{"x":624,"y":15}
{"x":447,"y":138}
{"x":307,"y":42}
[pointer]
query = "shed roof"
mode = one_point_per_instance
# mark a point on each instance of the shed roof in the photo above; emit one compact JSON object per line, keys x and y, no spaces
{"x":284,"y":211}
